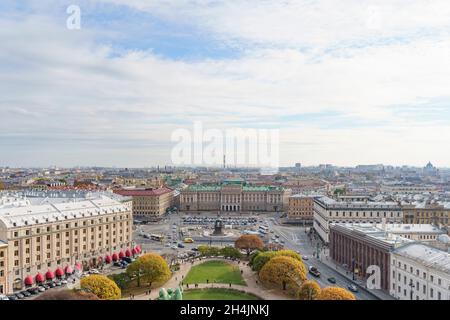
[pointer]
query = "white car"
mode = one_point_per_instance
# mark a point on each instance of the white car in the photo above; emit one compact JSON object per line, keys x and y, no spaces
{"x":3,"y":297}
{"x":41,"y":289}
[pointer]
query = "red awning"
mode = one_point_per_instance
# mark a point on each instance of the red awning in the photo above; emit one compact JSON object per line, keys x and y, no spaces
{"x":78,"y":266}
{"x":108,"y":259}
{"x":69,"y":270}
{"x":121,"y":255}
{"x":49,"y":275}
{"x":29,"y":280}
{"x":138,"y":249}
{"x":39,"y":277}
{"x":133,"y":251}
{"x":128,"y":253}
{"x":115,"y":257}
{"x":59,"y":272}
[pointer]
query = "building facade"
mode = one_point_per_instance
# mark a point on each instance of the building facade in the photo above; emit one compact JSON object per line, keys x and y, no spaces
{"x":358,"y":246}
{"x":430,"y":213}
{"x":301,"y":208}
{"x":420,"y":272}
{"x":3,"y":267}
{"x":47,"y":238}
{"x":234,"y":197}
{"x":328,"y":211}
{"x":149,"y":202}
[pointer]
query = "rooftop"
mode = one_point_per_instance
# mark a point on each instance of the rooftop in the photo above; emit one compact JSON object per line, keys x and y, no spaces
{"x":143,"y":192}
{"x":428,"y":256}
{"x":32,"y":214}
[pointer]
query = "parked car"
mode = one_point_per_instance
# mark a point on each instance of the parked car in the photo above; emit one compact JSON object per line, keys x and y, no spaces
{"x":51,"y":284}
{"x":26,"y":293}
{"x":46,"y":286}
{"x":117,"y":264}
{"x":41,"y":289}
{"x":63,"y":281}
{"x":20,"y":296}
{"x":12,"y":297}
{"x":305,"y":258}
{"x":332,"y":280}
{"x":180,"y":245}
{"x":352,"y":288}
{"x":3,"y":297}
{"x":127,"y":259}
{"x":314,"y":271}
{"x":58,"y":283}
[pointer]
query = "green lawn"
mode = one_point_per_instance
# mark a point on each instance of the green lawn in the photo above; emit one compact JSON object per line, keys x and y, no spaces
{"x":217,"y":294}
{"x":214,"y":271}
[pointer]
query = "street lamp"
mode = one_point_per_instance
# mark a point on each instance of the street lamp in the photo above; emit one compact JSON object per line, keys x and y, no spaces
{"x":411,"y":286}
{"x":353,"y":268}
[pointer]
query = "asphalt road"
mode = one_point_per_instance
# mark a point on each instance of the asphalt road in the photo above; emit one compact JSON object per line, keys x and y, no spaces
{"x":296,"y":239}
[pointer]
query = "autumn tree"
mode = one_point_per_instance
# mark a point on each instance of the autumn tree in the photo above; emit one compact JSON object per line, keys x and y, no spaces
{"x":103,"y":287}
{"x":263,"y":257}
{"x":67,"y":295}
{"x":249,"y":242}
{"x":309,"y":290}
{"x":336,"y":293}
{"x":283,"y":272}
{"x":149,"y":268}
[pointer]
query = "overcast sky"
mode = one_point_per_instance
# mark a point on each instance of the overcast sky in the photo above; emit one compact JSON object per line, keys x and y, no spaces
{"x":346,"y":82}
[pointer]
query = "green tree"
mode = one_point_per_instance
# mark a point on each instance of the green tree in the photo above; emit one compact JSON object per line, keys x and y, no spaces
{"x":121,"y":279}
{"x":149,"y":268}
{"x":230,"y":252}
{"x":249,"y":242}
{"x":103,"y":287}
{"x":309,"y":290}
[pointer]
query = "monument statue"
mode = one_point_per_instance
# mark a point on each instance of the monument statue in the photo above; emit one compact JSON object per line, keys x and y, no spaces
{"x":218,"y":226}
{"x":170,"y":294}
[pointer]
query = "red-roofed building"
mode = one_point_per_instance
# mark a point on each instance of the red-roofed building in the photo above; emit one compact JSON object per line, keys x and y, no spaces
{"x":149,"y":202}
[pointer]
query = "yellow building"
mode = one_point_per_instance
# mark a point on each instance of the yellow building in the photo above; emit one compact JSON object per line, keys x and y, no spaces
{"x":54,"y":236}
{"x":3,"y":267}
{"x":149,"y":202}
{"x":427,"y":213}
{"x":301,"y":207}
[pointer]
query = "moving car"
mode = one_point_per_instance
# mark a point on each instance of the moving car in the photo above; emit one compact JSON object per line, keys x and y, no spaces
{"x":332,"y":280}
{"x":180,"y":245}
{"x":352,"y":288}
{"x":305,"y":257}
{"x":314,"y":272}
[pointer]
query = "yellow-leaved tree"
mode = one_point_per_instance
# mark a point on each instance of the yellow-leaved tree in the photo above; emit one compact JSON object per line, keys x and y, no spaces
{"x":149,"y":268}
{"x":103,"y":287}
{"x":336,"y":293}
{"x":283,"y":272}
{"x":309,"y":290}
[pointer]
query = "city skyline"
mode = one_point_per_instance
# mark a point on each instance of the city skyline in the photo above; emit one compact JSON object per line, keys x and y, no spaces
{"x":347,"y":85}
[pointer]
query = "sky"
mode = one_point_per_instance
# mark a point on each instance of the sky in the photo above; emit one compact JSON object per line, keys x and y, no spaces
{"x":345,"y":82}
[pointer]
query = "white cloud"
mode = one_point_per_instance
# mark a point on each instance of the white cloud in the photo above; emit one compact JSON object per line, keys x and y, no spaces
{"x":63,"y":91}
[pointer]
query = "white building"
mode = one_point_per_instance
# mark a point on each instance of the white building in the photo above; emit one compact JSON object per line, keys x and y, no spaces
{"x":328,"y":210}
{"x":420,"y":272}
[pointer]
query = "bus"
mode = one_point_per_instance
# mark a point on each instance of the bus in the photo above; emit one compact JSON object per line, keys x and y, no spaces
{"x":263,"y":229}
{"x":156,"y":237}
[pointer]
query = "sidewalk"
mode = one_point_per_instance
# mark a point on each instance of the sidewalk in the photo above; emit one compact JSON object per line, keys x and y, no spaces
{"x":249,"y":276}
